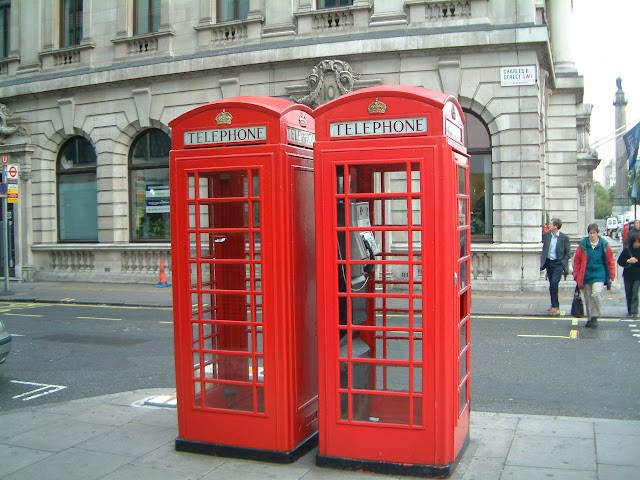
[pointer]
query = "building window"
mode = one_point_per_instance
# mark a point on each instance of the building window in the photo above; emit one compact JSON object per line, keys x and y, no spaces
{"x":478,"y":143}
{"x":334,"y":3}
{"x":71,"y":34}
{"x":147,"y":16}
{"x":5,"y":16}
{"x":77,"y":192}
{"x":149,"y":186}
{"x":232,"y":10}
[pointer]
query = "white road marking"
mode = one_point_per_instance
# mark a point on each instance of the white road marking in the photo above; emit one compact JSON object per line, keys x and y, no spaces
{"x":544,"y":336}
{"x":43,"y":388}
{"x":100,"y":318}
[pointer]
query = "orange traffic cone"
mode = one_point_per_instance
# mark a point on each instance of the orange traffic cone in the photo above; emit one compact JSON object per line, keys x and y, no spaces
{"x":162,"y":277}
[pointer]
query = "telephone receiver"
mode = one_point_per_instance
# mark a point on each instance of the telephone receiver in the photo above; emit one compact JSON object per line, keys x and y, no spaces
{"x":366,"y":242}
{"x":363,"y":244}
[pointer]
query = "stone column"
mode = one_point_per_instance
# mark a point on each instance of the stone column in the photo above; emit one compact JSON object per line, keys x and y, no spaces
{"x":561,"y":26}
{"x":621,"y":192}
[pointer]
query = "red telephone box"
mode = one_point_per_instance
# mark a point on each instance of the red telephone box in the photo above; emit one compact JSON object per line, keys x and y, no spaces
{"x":393,"y":256}
{"x":242,"y":224}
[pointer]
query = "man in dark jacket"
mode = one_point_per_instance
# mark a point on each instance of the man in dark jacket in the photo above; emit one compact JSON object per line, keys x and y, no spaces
{"x":556,"y":251}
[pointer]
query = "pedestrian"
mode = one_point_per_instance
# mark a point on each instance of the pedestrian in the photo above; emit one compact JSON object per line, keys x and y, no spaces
{"x":635,"y":228}
{"x":556,"y":251}
{"x":594,"y":267}
{"x":629,"y":259}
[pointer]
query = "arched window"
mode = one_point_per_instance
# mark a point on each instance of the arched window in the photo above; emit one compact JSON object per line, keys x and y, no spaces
{"x":478,"y":143}
{"x":77,"y":192}
{"x":149,"y":186}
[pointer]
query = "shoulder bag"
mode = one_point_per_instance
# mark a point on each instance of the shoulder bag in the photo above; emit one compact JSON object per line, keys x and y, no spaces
{"x":577,"y":307}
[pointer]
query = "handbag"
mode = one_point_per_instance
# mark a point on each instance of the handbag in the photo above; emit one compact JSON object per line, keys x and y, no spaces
{"x":577,"y":307}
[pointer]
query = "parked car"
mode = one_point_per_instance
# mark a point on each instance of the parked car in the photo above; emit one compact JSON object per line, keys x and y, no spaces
{"x":613,"y":228}
{"x":5,"y":342}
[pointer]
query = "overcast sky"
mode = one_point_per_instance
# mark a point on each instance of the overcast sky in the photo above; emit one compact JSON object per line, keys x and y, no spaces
{"x":605,"y":48}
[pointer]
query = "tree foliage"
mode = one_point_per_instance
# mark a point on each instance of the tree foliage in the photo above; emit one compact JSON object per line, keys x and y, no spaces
{"x":603,"y":200}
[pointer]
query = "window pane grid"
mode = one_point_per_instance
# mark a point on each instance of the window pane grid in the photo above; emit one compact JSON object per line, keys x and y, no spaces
{"x":5,"y":19}
{"x":381,"y":331}
{"x":71,"y":34}
{"x":224,"y":232}
{"x":77,"y":192}
{"x":149,"y":186}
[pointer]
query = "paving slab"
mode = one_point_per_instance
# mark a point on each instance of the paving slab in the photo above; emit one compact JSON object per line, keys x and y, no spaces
{"x":565,"y":453}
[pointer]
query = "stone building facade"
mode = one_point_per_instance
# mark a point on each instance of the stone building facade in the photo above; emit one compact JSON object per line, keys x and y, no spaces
{"x":88,"y":89}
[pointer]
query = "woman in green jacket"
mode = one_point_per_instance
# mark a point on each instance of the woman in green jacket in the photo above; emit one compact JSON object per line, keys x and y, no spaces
{"x":594,"y":266}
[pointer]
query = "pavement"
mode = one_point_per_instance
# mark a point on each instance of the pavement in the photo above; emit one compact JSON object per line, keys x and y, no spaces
{"x":131,"y":435}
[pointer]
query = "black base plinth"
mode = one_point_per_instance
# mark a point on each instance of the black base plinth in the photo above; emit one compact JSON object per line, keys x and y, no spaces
{"x":390,"y":468}
{"x":272,"y":456}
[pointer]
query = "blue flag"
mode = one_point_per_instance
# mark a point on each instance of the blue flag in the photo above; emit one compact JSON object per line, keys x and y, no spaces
{"x":636,"y":179}
{"x":632,"y":142}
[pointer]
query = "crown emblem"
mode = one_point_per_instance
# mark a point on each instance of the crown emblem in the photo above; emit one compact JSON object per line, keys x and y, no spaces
{"x":453,"y":112}
{"x":303,"y":120}
{"x":224,"y":118}
{"x":377,"y":107}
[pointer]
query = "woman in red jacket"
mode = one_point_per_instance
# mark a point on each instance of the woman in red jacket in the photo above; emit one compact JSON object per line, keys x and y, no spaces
{"x":594,"y":266}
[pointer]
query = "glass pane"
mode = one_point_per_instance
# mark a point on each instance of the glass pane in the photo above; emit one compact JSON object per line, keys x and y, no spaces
{"x":235,"y":338}
{"x":233,"y":367}
{"x":232,"y":10}
{"x":77,"y":153}
{"x":202,"y":306}
{"x":463,"y":336}
{"x":464,"y":274}
{"x":150,"y":211}
{"x":463,"y":243}
{"x":462,"y":396}
{"x":78,"y":207}
{"x":71,"y":23}
{"x":335,"y":3}
{"x":151,"y":148}
{"x":462,"y":211}
{"x":142,"y":17}
{"x":462,"y":184}
{"x":229,"y":245}
{"x":481,"y":192}
{"x":462,"y":368}
{"x":5,"y":15}
{"x":395,"y":346}
{"x":195,"y":334}
{"x":381,"y":409}
{"x":231,"y":397}
{"x":396,"y":379}
{"x":256,"y":184}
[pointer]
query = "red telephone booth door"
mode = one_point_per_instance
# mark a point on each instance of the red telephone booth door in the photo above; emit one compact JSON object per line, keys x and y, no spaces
{"x":223,"y":226}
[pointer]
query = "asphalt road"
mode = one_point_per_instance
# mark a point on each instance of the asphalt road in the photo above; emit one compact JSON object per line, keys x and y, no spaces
{"x":66,"y":352}
{"x":519,"y":365}
{"x":548,"y":366}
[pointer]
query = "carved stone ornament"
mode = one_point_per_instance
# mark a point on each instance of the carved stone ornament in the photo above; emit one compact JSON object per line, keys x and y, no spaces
{"x":342,"y":72}
{"x":6,"y":130}
{"x":224,"y":118}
